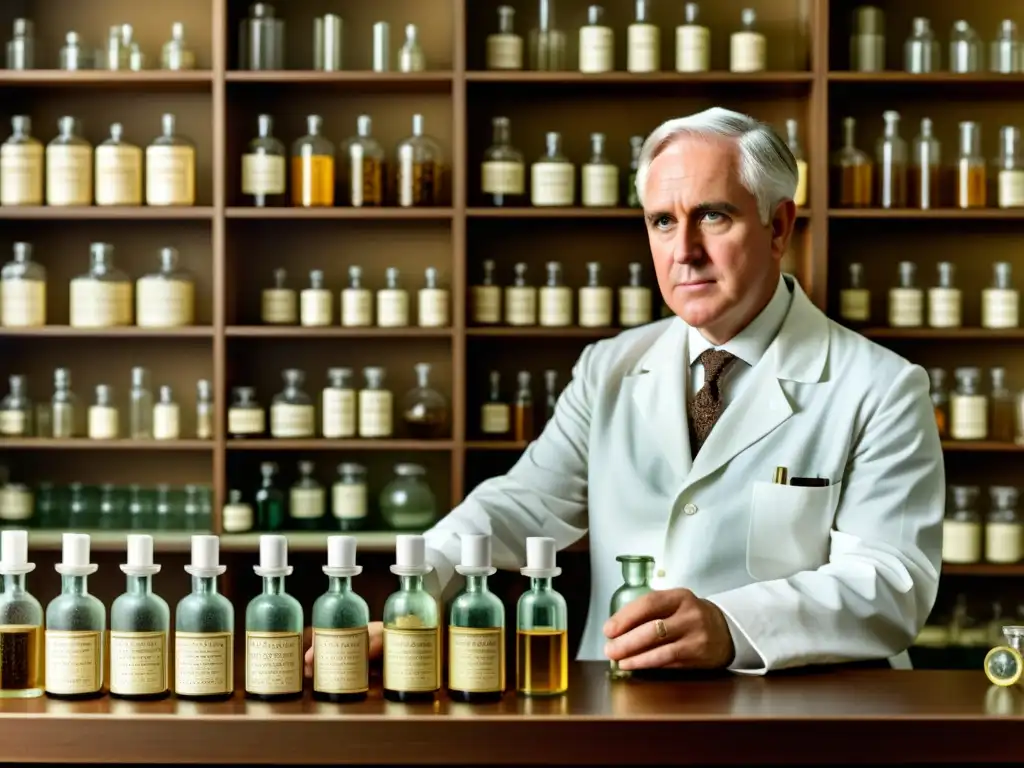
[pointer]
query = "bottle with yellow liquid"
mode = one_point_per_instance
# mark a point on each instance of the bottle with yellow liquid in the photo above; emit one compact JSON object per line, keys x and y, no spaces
{"x":542,"y":638}
{"x":313,"y":167}
{"x":21,"y":623}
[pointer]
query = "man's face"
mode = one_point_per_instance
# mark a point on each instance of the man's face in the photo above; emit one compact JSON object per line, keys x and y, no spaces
{"x":717,"y":265}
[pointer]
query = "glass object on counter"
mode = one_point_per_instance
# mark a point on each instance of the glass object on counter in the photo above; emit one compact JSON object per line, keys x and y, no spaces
{"x":279,"y":304}
{"x":961,"y":528}
{"x":867,"y":43}
{"x":101,"y":298}
{"x":906,"y":300}
{"x":555,"y":299}
{"x":595,"y":299}
{"x":365,"y":166}
{"x":72,"y":57}
{"x":264,"y":166}
{"x":1005,"y":50}
{"x":64,"y":416}
{"x":637,"y":571}
{"x":495,"y":413}
{"x":968,"y":407}
{"x":891,"y":156}
{"x":1001,"y":418}
{"x":643,"y":41}
{"x":542,"y":642}
{"x":921,"y":51}
{"x":246,"y":417}
{"x":855,"y":298}
{"x":636,"y":144}
{"x":940,"y":400}
{"x":410,"y":55}
{"x":22,"y":290}
{"x":407,"y":503}
{"x":1000,"y":301}
{"x":338,"y":405}
{"x":547,"y":43}
{"x":486,"y":304}
{"x":693,"y":42}
{"x":350,"y":497}
{"x":1009,"y":169}
{"x":237,"y":516}
{"x":945,"y":301}
{"x":599,"y":177}
{"x":104,"y":419}
{"x":424,"y":409}
{"x":520,"y":299}
{"x":971,"y":184}
{"x":747,"y":46}
{"x":316,"y":302}
{"x":176,"y":55}
{"x":634,"y":299}
{"x":392,"y":302}
{"x":292,"y":414}
{"x":1004,"y":528}
{"x":68,"y":166}
{"x":505,"y":47}
{"x":1003,"y":664}
{"x":204,"y":410}
{"x":21,"y":622}
{"x":793,"y":141}
{"x":966,"y":52}
{"x":270,"y":501}
{"x":140,"y":424}
{"x":476,"y":628}
{"x":597,"y":43}
{"x":261,"y":39}
{"x":313,"y":167}
{"x":925,"y":169}
{"x":118,"y":173}
{"x":21,"y":165}
{"x":166,"y":416}
{"x":553,"y":176}
{"x":21,"y":48}
{"x":170,"y":167}
{"x":420,"y":168}
{"x":853,"y":171}
{"x":356,"y":301}
{"x":503,"y":171}
{"x":431,"y":302}
{"x":375,"y":405}
{"x":165,"y":299}
{"x":307,"y":501}
{"x":523,"y":421}
{"x":550,"y":394}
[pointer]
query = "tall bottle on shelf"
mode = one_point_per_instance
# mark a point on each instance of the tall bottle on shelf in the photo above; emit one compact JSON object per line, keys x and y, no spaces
{"x":356,"y":301}
{"x":270,"y":503}
{"x":338,"y":405}
{"x":597,"y":43}
{"x":170,"y":167}
{"x":69,"y":165}
{"x":643,"y":41}
{"x":520,"y":299}
{"x":747,"y":46}
{"x":853,"y":171}
{"x":925,"y":169}
{"x":21,"y":622}
{"x":21,"y":165}
{"x":166,"y":298}
{"x":547,"y":43}
{"x":431,"y":302}
{"x":424,"y":409}
{"x":420,"y":170}
{"x":313,"y":167}
{"x":102,"y":297}
{"x":971,"y":177}
{"x":693,"y":42}
{"x":503,"y":171}
{"x":140,"y":405}
{"x":1009,"y":169}
{"x":16,"y":411}
{"x":486,"y":298}
{"x":921,"y":51}
{"x":264,"y":168}
{"x":542,"y":644}
{"x":365,"y":166}
{"x":22,"y":290}
{"x":476,"y":629}
{"x":505,"y":47}
{"x":634,"y":299}
{"x":793,"y":141}
{"x":118,"y":173}
{"x":891,"y":155}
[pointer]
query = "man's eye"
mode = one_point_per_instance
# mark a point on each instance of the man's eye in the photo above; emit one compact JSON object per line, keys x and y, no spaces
{"x":712,"y":217}
{"x":663,"y":221}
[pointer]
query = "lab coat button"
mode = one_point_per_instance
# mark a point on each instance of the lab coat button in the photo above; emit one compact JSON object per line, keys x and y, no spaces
{"x":690,"y":509}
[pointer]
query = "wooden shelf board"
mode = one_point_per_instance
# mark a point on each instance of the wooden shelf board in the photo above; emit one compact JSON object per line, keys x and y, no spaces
{"x":983,"y":569}
{"x":535,"y":332}
{"x":85,"y":444}
{"x":414,"y":80}
{"x":322,"y":444}
{"x":106,"y":78}
{"x":980,"y":446}
{"x":243,"y":212}
{"x":181,"y":541}
{"x":946,"y":334}
{"x":496,"y":445}
{"x":107,"y":212}
{"x":129,"y":331}
{"x":631,"y":78}
{"x":951,"y":214}
{"x":881,"y":78}
{"x":334,"y":332}
{"x":575,"y":212}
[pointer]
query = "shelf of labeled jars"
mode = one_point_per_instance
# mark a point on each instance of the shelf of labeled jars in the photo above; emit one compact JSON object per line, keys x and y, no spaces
{"x":496,"y":445}
{"x":983,"y":569}
{"x":326,"y":444}
{"x":543,"y":332}
{"x":653,"y":78}
{"x":338,"y":212}
{"x":85,"y":444}
{"x":946,"y":334}
{"x":1010,"y":214}
{"x":969,"y":78}
{"x":570,"y":212}
{"x":181,"y":541}
{"x":333,"y":332}
{"x":125,"y":331}
{"x":108,"y":212}
{"x":980,"y":446}
{"x":404,"y":81}
{"x":192,"y":79}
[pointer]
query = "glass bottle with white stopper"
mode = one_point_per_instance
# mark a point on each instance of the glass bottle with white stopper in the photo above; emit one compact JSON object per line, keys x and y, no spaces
{"x":553,"y":177}
{"x":945,"y":301}
{"x":547,"y":43}
{"x":292,"y":414}
{"x":476,"y":629}
{"x":307,"y":501}
{"x":1010,"y":173}
{"x":273,"y":629}
{"x":22,"y":290}
{"x":855,"y":298}
{"x":486,"y":309}
{"x":503,"y":171}
{"x":341,"y":638}
{"x":21,"y":622}
{"x":410,"y":55}
{"x":793,"y":141}
{"x":356,"y":301}
{"x":279,"y":304}
{"x":693,"y":42}
{"x":338,"y":405}
{"x":75,"y":626}
{"x":412,"y":628}
{"x":69,"y":165}
{"x":747,"y":47}
{"x":600,"y":177}
{"x":542,"y":643}
{"x":204,"y":629}
{"x":555,"y":299}
{"x":634,"y":299}
{"x":431,"y":302}
{"x":165,"y":299}
{"x":392,"y":302}
{"x":118,"y":172}
{"x":520,"y":299}
{"x":595,"y":300}
{"x":925,"y":169}
{"x":139,"y":624}
{"x":505,"y":47}
{"x":968,"y":407}
{"x":1000,"y":301}
{"x":316,"y":302}
{"x":643,"y":42}
{"x":376,"y":405}
{"x":906,"y":300}
{"x":597,"y":43}
{"x":166,"y":416}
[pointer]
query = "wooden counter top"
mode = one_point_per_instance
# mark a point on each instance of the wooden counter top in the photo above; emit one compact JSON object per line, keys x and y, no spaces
{"x":837,"y":716}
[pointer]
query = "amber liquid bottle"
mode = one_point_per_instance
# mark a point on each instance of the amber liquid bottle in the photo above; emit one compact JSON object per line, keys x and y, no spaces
{"x":853,"y":172}
{"x":365,"y":166}
{"x":313,"y":168}
{"x":523,"y":423}
{"x":970,"y":168}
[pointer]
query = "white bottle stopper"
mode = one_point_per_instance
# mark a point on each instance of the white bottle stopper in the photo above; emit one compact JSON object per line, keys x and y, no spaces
{"x":75,"y":556}
{"x":341,"y":556}
{"x":540,"y":558}
{"x":140,"y":556}
{"x":476,"y":555}
{"x":273,"y":557}
{"x":205,"y":557}
{"x":410,"y":556}
{"x":14,"y":553}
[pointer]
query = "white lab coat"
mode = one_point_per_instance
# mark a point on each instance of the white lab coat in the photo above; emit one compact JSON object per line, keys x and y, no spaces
{"x":803,"y":575}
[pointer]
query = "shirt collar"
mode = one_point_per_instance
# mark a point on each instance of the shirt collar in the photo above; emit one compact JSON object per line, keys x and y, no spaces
{"x":749,"y":345}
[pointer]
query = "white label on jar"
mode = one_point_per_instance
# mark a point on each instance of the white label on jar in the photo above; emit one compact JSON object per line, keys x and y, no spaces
{"x":22,"y":303}
{"x":747,"y":52}
{"x":316,"y":307}
{"x":170,"y":176}
{"x":62,"y":420}
{"x":504,"y":52}
{"x":103,"y":422}
{"x":237,"y":518}
{"x":118,"y":175}
{"x":906,"y":307}
{"x":68,"y":175}
{"x":968,"y":417}
{"x":166,"y":421}
{"x":246,"y":421}
{"x":349,"y":501}
{"x":521,"y":305}
{"x":595,"y":306}
{"x":486,"y":304}
{"x":73,"y":662}
{"x":164,"y":303}
{"x":100,"y":303}
{"x":392,"y":308}
{"x":375,"y":408}
{"x":944,"y":307}
{"x":855,"y":304}
{"x":307,"y":503}
{"x":693,"y":48}
{"x":291,"y":420}
{"x":411,"y":659}
{"x":643,"y":48}
{"x":341,"y":660}
{"x":1000,"y":308}
{"x":800,"y":196}
{"x":433,"y":307}
{"x":502,"y":177}
{"x":961,"y":541}
{"x":556,"y":306}
{"x":1004,"y":542}
{"x":13,"y":423}
{"x":263,"y":174}
{"x":597,"y":49}
{"x":600,"y":186}
{"x":21,"y":174}
{"x":552,"y":184}
{"x":494,"y":418}
{"x":279,"y":306}
{"x":356,"y":308}
{"x":138,"y":663}
{"x":338,"y":413}
{"x":203,"y":663}
{"x":273,"y":662}
{"x":475,"y":659}
{"x":1011,"y":189}
{"x":15,"y":503}
{"x":634,"y":306}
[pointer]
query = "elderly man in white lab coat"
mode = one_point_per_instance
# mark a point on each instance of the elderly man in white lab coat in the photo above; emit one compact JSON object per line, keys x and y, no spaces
{"x":667,"y":439}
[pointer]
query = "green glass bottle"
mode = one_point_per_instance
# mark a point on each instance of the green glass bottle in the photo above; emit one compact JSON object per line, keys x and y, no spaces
{"x":636,"y":574}
{"x":270,"y":511}
{"x":412,"y":628}
{"x":21,"y":622}
{"x":542,"y":623}
{"x":341,"y":638}
{"x":204,"y":630}
{"x":273,"y":630}
{"x":476,"y":629}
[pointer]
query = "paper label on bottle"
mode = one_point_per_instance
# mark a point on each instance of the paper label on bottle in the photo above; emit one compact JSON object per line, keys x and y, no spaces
{"x":279,"y":306}
{"x":475,"y":659}
{"x":906,"y":307}
{"x":800,"y":196}
{"x":68,"y":175}
{"x":521,"y":305}
{"x":306,"y":503}
{"x":170,"y":176}
{"x":103,"y":422}
{"x":338,"y":411}
{"x":1004,"y":542}
{"x":73,"y":662}
{"x":1011,"y":189}
{"x":634,"y":306}
{"x":944,"y":307}
{"x":13,"y":423}
{"x":502,"y":177}
{"x":600,"y":186}
{"x":291,"y":420}
{"x":138,"y":663}
{"x":552,"y":184}
{"x":504,"y":52}
{"x":118,"y":175}
{"x":236,"y":518}
{"x":968,"y":417}
{"x":855,"y":304}
{"x":555,"y":306}
{"x":62,"y":420}
{"x":961,"y":541}
{"x":263,"y":174}
{"x":392,"y":308}
{"x":595,"y":306}
{"x":597,"y":49}
{"x":22,"y":303}
{"x":203,"y":663}
{"x":315,"y":307}
{"x":375,"y":407}
{"x":164,"y":303}
{"x":747,"y":52}
{"x":411,"y":660}
{"x":246,"y":421}
{"x":166,"y":421}
{"x":486,"y":304}
{"x":1000,"y":308}
{"x":349,"y":501}
{"x":643,"y":48}
{"x":21,"y":174}
{"x":15,"y":503}
{"x":433,"y":307}
{"x":100,"y":303}
{"x":693,"y":48}
{"x":495,"y":418}
{"x":273,"y":662}
{"x":356,"y":308}
{"x":341,"y":660}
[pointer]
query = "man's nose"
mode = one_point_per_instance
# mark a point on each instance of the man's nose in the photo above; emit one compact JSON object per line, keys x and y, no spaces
{"x":688,"y":246}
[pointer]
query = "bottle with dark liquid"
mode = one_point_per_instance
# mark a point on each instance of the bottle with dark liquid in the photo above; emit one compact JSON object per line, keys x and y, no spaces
{"x":940,"y":400}
{"x":523,"y":428}
{"x":424,"y":409}
{"x":270,"y":513}
{"x":550,"y":394}
{"x":476,"y":629}
{"x":21,"y":623}
{"x":1002,"y":422}
{"x":970,"y":168}
{"x":891,"y":157}
{"x":419,"y":171}
{"x":853,"y":172}
{"x":503,"y":171}
{"x":924,"y":169}
{"x":495,"y":416}
{"x":365,"y":166}
{"x":542,"y":653}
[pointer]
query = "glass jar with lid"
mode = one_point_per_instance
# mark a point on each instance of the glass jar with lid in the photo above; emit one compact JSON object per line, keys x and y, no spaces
{"x":68,"y":166}
{"x":22,"y":290}
{"x":407,"y":503}
{"x":165,"y":299}
{"x":246,"y":417}
{"x":961,"y":528}
{"x":102,"y":297}
{"x":21,"y":165}
{"x":349,"y":498}
{"x":1004,"y":527}
{"x":424,"y":409}
{"x":292,"y":414}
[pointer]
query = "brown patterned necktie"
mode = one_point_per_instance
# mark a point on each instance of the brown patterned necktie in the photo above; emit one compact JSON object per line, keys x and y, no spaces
{"x":706,"y":406}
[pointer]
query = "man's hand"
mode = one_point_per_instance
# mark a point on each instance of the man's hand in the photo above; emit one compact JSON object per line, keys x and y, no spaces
{"x":696,"y":634}
{"x":376,"y":629}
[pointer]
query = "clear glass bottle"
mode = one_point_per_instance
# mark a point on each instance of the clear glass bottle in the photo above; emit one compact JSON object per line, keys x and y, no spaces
{"x":486,"y":298}
{"x":520,"y":299}
{"x":365,"y":166}
{"x":945,"y":300}
{"x":237,"y":516}
{"x":940,"y":400}
{"x":1000,"y":301}
{"x":406,"y":502}
{"x":921,"y":51}
{"x":1009,"y":169}
{"x":693,"y":42}
{"x":141,"y":409}
{"x":165,"y":509}
{"x":21,"y":165}
{"x":555,"y":299}
{"x":748,"y":48}
{"x":968,"y":407}
{"x":432,"y":302}
{"x":410,"y":55}
{"x":550,"y":394}
{"x":412,"y":628}
{"x":424,"y":409}
{"x":542,"y":637}
{"x":341,"y":637}
{"x":166,"y":416}
{"x":246,"y":417}
{"x":313,"y":167}
{"x":16,"y":410}
{"x":523,"y":423}
{"x":21,"y":622}
{"x":636,"y":144}
{"x":316,"y":303}
{"x":906,"y":300}
{"x":273,"y":630}
{"x":793,"y":141}
{"x":597,"y":43}
{"x":971,"y":184}
{"x":419,"y":168}
{"x":356,"y":301}
{"x":279,"y":304}
{"x":867,"y":43}
{"x":925,"y":169}
{"x":81,"y":512}
{"x":102,"y":297}
{"x":65,"y":417}
{"x":853,"y":171}
{"x":503,"y":171}
{"x":104,"y":419}
{"x":553,"y":176}
{"x":1004,"y":528}
{"x":634,"y":299}
{"x":495,"y":413}
{"x":637,"y":571}
{"x":270,"y":503}
{"x":547,"y":43}
{"x":204,"y":410}
{"x":72,"y":57}
{"x":376,"y":405}
{"x":643,"y":42}
{"x":170,"y":167}
{"x":307,"y":502}
{"x":505,"y":47}
{"x":599,"y":177}
{"x":21,"y":48}
{"x":966,"y":52}
{"x":204,"y":629}
{"x":891,"y":154}
{"x":338,"y":405}
{"x":176,"y":55}
{"x":392,"y":302}
{"x":595,"y":300}
{"x":261,"y":44}
{"x":264,"y":166}
{"x":1003,"y":664}
{"x":68,"y":166}
{"x":118,"y":173}
{"x":75,"y":627}
{"x":476,"y":629}
{"x":167,"y":298}
{"x":1005,"y":50}
{"x":350,"y":497}
{"x":855,"y":298}
{"x":1002,"y":422}
{"x":962,"y":526}
{"x":141,"y":508}
{"x":292,"y":414}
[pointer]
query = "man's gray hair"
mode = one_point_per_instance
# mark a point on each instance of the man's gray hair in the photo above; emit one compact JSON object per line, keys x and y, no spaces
{"x":767,"y":166}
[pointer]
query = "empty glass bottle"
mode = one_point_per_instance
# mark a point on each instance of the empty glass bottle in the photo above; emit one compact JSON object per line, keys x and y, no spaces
{"x":21,"y":622}
{"x":547,"y":43}
{"x":925,"y":169}
{"x":407,"y":503}
{"x":424,"y":409}
{"x":141,"y":408}
{"x":419,"y":171}
{"x":365,"y":166}
{"x":891,"y":155}
{"x":313,"y":167}
{"x":476,"y":628}
{"x":72,"y":56}
{"x":553,"y":176}
{"x":637,"y":571}
{"x":966,"y":53}
{"x":921,"y":52}
{"x":264,"y":166}
{"x":1005,"y":49}
{"x":273,"y":629}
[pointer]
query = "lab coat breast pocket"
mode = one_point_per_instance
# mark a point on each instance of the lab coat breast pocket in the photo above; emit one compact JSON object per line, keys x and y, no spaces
{"x":789,"y":529}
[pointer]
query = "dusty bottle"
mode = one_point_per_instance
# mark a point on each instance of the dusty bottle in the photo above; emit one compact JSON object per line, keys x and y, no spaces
{"x":279,"y":304}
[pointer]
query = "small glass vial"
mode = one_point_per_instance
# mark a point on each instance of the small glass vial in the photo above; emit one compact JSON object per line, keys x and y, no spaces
{"x":264,"y":166}
{"x":118,"y":172}
{"x":476,"y":629}
{"x":16,"y":410}
{"x":313,"y":167}
{"x":553,"y":177}
{"x":22,"y":290}
{"x":176,"y":55}
{"x":307,"y":502}
{"x":1002,"y":422}
{"x":166,"y":416}
{"x":793,"y":141}
{"x":431,"y":302}
{"x":237,"y":515}
{"x":940,"y":400}
{"x":104,"y":421}
{"x":21,"y":622}
{"x":170,"y":168}
{"x":597,"y":43}
{"x":495,"y":413}
{"x":555,"y":299}
{"x":1005,"y":50}
{"x":637,"y":571}
{"x":921,"y":51}
{"x":410,"y":55}
{"x":424,"y":409}
{"x":165,"y":299}
{"x":853,"y":171}
{"x":21,"y":165}
{"x":505,"y":47}
{"x":693,"y":42}
{"x":636,"y":144}
{"x":102,"y":298}
{"x":542,"y":641}
{"x":867,"y":43}
{"x":966,"y":53}
{"x":891,"y":154}
{"x":316,"y":302}
{"x":365,"y":166}
{"x":1000,"y":301}
{"x":523,"y":421}
{"x":961,"y":527}
{"x":64,"y":411}
{"x":392,"y":302}
{"x":292,"y":414}
{"x":945,"y":301}
{"x":486,"y":303}
{"x":906,"y":300}
{"x":350,"y":497}
{"x":747,"y":47}
{"x":599,"y":177}
{"x":376,"y":405}
{"x":140,"y":397}
{"x":204,"y":410}
{"x":68,"y":167}
{"x":419,"y":168}
{"x":547,"y":44}
{"x":1004,"y":528}
{"x":270,"y":514}
{"x":338,"y":405}
{"x":968,"y":407}
{"x":21,"y":48}
{"x":595,"y":300}
{"x":971,"y":186}
{"x":356,"y":301}
{"x":1010,"y":170}
{"x":503,"y":171}
{"x":854,"y":298}
{"x":279,"y":304}
{"x":925,"y":169}
{"x":381,"y":47}
{"x":520,"y":300}
{"x":634,"y":299}
{"x":246,"y":417}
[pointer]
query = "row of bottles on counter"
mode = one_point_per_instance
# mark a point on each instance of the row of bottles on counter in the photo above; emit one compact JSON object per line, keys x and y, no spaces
{"x":547,"y":48}
{"x":907,"y":308}
{"x":63,"y":417}
{"x":69,"y":172}
{"x":122,"y":51}
{"x":415,"y":178}
{"x":919,"y":177}
{"x":970,"y":414}
{"x":968,"y":536}
{"x":517,"y":419}
{"x":314,"y":305}
{"x":102,"y":297}
{"x":405,"y":503}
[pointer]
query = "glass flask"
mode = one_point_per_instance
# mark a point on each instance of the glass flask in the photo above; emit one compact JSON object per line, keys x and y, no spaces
{"x":407,"y":503}
{"x":853,"y":171}
{"x":921,"y":51}
{"x":503,"y":171}
{"x":313,"y":167}
{"x":170,"y":167}
{"x":270,"y":501}
{"x":424,"y":409}
{"x":966,"y":52}
{"x":925,"y":169}
{"x":102,"y":297}
{"x":264,"y":166}
{"x":246,"y":417}
{"x":16,"y":410}
{"x":419,"y":171}
{"x":476,"y":628}
{"x":176,"y":54}
{"x":637,"y":571}
{"x":366,"y":166}
{"x":1003,"y":664}
{"x":292,"y":414}
{"x":21,"y":622}
{"x":891,"y":156}
{"x":21,"y":165}
{"x":542,"y":642}
{"x":166,"y":298}
{"x":547,"y":43}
